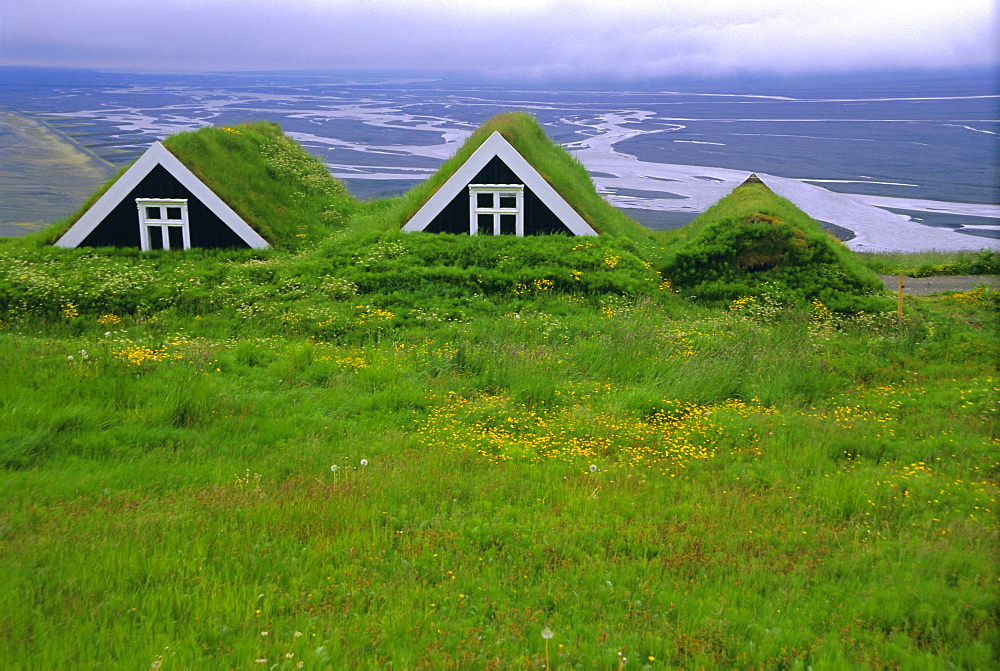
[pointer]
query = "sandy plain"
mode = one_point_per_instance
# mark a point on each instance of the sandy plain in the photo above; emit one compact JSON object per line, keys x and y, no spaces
{"x":44,"y":176}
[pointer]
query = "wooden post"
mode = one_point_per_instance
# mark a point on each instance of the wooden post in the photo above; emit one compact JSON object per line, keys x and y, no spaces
{"x":899,"y":301}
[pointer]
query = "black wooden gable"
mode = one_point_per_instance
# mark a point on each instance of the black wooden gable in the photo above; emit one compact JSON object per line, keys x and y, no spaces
{"x":204,"y":220}
{"x":120,"y":228}
{"x":538,"y":218}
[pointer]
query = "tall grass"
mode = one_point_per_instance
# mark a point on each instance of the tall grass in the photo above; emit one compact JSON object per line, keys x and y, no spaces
{"x":553,"y":437}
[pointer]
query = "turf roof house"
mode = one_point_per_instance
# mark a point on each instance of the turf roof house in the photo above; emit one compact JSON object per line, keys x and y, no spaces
{"x":496,"y":191}
{"x":158,"y":203}
{"x":753,"y":243}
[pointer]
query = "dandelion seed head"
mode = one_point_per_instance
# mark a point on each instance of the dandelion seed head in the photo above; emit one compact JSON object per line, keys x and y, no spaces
{"x":593,"y":468}
{"x":546,"y":633}
{"x":335,"y":468}
{"x":364,"y":462}
{"x":69,"y":358}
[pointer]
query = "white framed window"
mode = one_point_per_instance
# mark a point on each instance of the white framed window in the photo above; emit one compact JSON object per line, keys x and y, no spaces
{"x":496,"y":209}
{"x":163,"y":223}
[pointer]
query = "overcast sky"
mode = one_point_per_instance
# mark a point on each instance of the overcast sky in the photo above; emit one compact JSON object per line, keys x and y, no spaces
{"x":540,"y":39}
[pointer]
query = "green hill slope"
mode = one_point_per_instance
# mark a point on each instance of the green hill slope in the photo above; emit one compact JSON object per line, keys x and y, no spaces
{"x":754,"y":243}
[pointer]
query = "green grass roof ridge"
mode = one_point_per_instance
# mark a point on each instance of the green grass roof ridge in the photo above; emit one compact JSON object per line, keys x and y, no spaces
{"x":278,"y":188}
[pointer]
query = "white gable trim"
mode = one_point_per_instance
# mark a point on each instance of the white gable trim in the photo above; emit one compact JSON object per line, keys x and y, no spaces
{"x":154,"y":156}
{"x":496,"y":145}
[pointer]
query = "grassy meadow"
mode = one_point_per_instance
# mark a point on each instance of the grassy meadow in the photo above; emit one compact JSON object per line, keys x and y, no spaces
{"x":381,"y":450}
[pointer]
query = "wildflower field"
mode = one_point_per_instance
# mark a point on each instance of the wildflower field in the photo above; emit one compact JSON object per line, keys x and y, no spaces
{"x":426,"y":451}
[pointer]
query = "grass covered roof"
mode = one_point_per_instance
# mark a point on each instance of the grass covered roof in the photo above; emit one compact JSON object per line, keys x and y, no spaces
{"x":563,"y":172}
{"x":755,"y":243}
{"x":285,"y":194}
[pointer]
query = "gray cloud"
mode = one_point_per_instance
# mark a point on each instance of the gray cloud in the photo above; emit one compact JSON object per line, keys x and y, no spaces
{"x":520,"y":38}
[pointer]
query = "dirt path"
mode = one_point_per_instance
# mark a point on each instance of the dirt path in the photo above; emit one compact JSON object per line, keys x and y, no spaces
{"x":924,"y":286}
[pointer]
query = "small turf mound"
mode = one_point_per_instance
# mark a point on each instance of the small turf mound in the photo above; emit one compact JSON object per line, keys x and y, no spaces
{"x":754,"y":243}
{"x":563,"y":172}
{"x":282,"y":192}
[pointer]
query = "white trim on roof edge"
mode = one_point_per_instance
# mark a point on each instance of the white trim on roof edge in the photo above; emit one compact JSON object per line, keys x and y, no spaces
{"x":496,"y":145}
{"x":154,"y":156}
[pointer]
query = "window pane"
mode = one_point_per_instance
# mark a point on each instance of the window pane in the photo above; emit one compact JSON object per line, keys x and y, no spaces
{"x":508,"y":224}
{"x":152,"y":213}
{"x":484,"y":200}
{"x":508,"y":200}
{"x":174,"y":213}
{"x":176,"y":237}
{"x":155,"y":236}
{"x":485,"y":224}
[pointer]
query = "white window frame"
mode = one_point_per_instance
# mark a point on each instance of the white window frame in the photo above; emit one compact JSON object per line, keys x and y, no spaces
{"x":516,"y":190}
{"x":161,"y":225}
